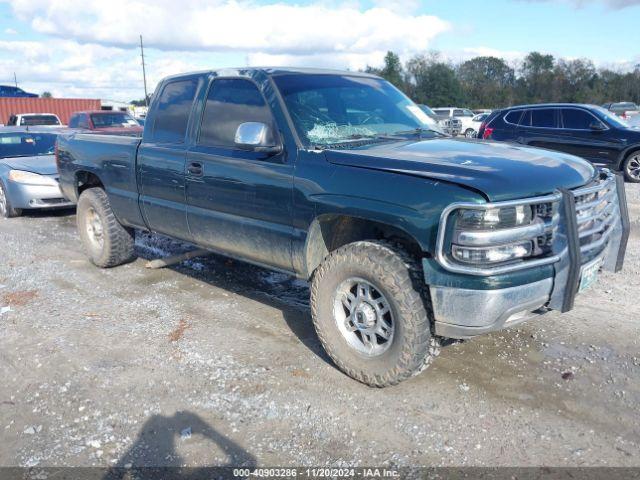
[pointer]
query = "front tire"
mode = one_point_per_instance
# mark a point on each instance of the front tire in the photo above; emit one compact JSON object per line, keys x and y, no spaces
{"x":370,"y":313}
{"x":107,"y":243}
{"x":6,"y":210}
{"x":631,"y":167}
{"x":470,"y":133}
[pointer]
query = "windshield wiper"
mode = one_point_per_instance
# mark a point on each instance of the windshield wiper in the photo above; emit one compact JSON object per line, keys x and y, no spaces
{"x":419,"y":131}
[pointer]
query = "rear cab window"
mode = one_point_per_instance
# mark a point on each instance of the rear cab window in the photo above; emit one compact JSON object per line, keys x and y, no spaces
{"x":173,"y":110}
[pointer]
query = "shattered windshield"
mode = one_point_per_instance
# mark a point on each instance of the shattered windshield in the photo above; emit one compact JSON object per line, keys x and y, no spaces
{"x":331,"y":110}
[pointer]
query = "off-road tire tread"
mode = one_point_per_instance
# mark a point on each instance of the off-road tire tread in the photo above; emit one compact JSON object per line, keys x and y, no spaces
{"x":386,"y":260}
{"x":119,"y":240}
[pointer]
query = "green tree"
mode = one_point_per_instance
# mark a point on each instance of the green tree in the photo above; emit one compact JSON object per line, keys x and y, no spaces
{"x":487,"y":82}
{"x":432,"y":81}
{"x":46,"y":95}
{"x":536,"y":78}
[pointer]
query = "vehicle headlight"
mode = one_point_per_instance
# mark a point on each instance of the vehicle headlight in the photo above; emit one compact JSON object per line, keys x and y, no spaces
{"x":30,"y":178}
{"x":494,"y":218}
{"x":493,"y":234}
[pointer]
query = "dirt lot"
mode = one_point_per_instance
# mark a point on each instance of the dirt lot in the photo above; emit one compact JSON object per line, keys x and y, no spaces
{"x":216,"y":362}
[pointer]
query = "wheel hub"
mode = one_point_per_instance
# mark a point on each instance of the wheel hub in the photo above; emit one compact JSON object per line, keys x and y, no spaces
{"x":365,"y":316}
{"x":94,"y":228}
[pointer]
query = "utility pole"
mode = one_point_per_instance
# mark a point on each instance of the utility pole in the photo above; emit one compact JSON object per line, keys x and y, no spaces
{"x":144,"y":74}
{"x":15,"y":79}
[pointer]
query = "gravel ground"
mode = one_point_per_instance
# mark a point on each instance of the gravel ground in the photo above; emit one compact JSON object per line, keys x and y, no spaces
{"x":215,"y":362}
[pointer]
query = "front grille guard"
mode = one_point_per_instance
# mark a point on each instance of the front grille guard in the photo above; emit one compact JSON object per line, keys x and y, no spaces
{"x":589,"y":230}
{"x":592,"y":222}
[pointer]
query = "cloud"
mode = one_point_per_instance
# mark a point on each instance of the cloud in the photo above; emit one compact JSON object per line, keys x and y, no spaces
{"x":10,"y":31}
{"x":613,"y":4}
{"x":240,"y":26}
{"x":91,"y":46}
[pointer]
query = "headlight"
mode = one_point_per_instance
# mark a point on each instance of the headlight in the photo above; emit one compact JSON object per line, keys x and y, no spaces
{"x":491,"y":235}
{"x":30,"y":178}
{"x":494,"y":218}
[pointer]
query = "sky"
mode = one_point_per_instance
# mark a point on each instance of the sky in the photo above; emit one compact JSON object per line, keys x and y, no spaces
{"x":90,"y":48}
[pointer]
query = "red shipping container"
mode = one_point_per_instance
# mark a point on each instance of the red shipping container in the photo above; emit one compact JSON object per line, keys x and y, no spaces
{"x":62,"y":107}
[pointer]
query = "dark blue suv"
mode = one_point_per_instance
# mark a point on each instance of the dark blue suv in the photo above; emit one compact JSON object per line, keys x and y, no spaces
{"x":588,"y":131}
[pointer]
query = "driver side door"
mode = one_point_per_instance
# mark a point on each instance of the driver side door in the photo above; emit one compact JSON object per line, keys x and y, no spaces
{"x":239,"y":201}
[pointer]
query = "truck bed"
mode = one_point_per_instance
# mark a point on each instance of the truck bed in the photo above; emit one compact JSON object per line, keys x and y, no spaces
{"x":109,"y":158}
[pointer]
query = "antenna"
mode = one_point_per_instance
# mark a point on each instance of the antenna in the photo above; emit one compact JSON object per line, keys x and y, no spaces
{"x":15,"y":79}
{"x":144,"y":74}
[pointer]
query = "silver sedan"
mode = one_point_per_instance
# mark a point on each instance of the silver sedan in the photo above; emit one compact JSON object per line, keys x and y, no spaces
{"x":28,"y":173}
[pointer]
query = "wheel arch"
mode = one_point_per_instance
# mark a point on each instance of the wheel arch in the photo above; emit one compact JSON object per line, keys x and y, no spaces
{"x":329,"y":232}
{"x":84,"y":179}
{"x":626,"y":154}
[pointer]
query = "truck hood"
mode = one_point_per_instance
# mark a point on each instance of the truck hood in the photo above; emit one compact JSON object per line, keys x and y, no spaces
{"x":500,"y":171}
{"x":42,"y":164}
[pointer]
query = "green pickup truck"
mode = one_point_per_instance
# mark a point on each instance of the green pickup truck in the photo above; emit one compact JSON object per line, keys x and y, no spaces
{"x":407,"y":236}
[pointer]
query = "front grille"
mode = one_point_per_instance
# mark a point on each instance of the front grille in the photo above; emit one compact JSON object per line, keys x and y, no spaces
{"x":597,"y":211}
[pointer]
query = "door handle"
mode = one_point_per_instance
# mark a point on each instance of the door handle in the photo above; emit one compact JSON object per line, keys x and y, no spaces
{"x":195,"y":169}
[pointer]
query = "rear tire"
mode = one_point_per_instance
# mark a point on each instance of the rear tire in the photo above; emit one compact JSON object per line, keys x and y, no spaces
{"x":631,"y":167}
{"x":6,"y":210}
{"x":371,"y":315}
{"x":470,"y":133}
{"x":107,"y":243}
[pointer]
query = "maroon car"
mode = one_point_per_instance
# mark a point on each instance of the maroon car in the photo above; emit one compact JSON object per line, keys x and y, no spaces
{"x":106,"y":121}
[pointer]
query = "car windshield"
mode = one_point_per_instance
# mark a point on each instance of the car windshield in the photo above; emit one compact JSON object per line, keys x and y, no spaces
{"x":612,"y":118}
{"x":332,"y":110}
{"x":115,"y":119}
{"x":24,"y":144}
{"x":39,"y":120}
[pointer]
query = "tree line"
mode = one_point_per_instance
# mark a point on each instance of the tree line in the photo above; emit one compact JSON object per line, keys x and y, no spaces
{"x":490,"y":82}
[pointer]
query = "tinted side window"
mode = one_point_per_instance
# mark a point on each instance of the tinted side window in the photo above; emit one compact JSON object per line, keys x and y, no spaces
{"x":458,"y":113}
{"x":576,"y":119}
{"x":83,"y":121}
{"x":73,"y":122}
{"x":513,"y":117}
{"x":231,"y":102}
{"x":543,"y":117}
{"x":174,"y":107}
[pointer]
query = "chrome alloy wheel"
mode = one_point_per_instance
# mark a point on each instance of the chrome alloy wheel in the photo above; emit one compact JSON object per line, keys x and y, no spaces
{"x":363,"y":316}
{"x":95,"y":230}
{"x":3,"y":202}
{"x":633,"y":167}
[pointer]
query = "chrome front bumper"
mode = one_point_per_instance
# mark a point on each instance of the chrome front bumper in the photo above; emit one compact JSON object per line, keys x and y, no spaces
{"x":463,"y":313}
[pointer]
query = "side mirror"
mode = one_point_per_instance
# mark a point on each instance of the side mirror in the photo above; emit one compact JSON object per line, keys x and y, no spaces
{"x":256,"y":136}
{"x":597,"y":126}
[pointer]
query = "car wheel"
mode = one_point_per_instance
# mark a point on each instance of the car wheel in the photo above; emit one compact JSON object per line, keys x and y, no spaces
{"x":6,"y":210}
{"x":631,"y":167}
{"x":107,"y":243}
{"x":470,"y":133}
{"x":370,"y":313}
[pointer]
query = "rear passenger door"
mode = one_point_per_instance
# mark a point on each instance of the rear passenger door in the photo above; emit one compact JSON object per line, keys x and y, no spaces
{"x":588,"y":137}
{"x":239,"y":200}
{"x":161,"y":159}
{"x":538,"y":127}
